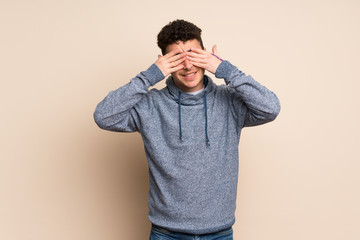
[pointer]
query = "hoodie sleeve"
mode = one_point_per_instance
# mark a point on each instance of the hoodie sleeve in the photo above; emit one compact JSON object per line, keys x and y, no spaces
{"x":254,"y":104}
{"x":116,"y":111}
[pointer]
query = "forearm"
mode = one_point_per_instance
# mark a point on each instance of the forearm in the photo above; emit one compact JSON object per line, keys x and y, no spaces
{"x":116,"y":106}
{"x":262,"y":104}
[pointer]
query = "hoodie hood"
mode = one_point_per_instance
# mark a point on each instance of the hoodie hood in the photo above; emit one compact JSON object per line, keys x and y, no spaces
{"x":186,"y":98}
{"x":183,"y":98}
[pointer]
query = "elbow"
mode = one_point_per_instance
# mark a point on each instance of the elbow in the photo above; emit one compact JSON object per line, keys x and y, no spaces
{"x":110,"y":123}
{"x":268,"y":114}
{"x":271,"y":112}
{"x":99,"y":120}
{"x":275,"y":110}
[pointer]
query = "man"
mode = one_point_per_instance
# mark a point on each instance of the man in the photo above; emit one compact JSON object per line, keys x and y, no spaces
{"x":191,"y":131}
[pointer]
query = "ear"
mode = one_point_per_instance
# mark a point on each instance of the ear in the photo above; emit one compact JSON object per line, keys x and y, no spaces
{"x":205,"y":48}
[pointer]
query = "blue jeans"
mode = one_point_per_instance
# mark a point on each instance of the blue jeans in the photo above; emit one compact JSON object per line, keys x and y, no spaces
{"x":158,"y":233}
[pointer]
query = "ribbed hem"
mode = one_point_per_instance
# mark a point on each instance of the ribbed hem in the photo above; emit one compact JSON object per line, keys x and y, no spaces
{"x":198,"y":231}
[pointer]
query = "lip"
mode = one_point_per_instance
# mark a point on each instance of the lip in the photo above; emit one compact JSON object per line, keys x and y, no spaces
{"x":189,"y":76}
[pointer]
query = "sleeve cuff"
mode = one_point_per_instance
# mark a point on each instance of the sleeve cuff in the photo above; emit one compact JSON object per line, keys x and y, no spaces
{"x":224,"y":70}
{"x":154,"y":74}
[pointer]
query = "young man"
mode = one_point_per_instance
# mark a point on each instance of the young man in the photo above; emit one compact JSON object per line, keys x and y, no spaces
{"x":191,"y":131}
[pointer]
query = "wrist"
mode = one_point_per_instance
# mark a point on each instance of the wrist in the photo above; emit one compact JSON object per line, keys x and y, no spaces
{"x":154,"y":74}
{"x":215,"y":66}
{"x":160,"y":68}
{"x":217,"y":57}
{"x":224,"y":70}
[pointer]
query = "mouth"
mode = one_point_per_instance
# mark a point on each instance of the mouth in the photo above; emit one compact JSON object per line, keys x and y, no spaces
{"x":189,"y":76}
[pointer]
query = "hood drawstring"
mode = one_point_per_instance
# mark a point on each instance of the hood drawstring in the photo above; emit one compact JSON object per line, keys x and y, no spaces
{"x":206,"y":118}
{"x":181,"y":140}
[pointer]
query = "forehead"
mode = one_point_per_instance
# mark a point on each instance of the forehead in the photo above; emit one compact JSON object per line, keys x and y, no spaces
{"x":184,"y":46}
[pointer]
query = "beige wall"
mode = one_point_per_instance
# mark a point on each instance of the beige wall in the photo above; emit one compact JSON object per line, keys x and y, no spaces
{"x":61,"y":177}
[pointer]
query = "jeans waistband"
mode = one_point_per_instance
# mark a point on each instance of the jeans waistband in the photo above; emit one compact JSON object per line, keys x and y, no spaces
{"x":161,"y":229}
{"x":167,"y":231}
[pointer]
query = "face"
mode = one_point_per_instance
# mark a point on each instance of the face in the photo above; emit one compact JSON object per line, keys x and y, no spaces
{"x":190,"y":78}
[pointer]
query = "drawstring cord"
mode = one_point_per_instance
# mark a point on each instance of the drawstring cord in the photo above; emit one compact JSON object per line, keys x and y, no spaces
{"x":206,"y":119}
{"x":181,"y":140}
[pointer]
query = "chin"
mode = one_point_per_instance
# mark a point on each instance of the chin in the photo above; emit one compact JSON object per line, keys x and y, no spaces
{"x":193,"y":86}
{"x":191,"y":82}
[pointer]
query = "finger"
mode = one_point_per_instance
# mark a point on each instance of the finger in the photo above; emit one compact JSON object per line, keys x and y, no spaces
{"x":197,"y":64}
{"x":173,"y":53}
{"x":198,"y":60}
{"x":198,"y":50}
{"x":176,"y":57}
{"x":215,"y":51}
{"x":177,"y":68}
{"x":196,"y":55}
{"x":177,"y":62}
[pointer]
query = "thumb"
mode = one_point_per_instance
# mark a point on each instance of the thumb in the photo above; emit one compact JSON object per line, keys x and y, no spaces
{"x":159,"y":56}
{"x":215,"y":51}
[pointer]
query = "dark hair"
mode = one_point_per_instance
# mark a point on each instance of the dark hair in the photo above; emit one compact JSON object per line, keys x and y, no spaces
{"x":178,"y":30}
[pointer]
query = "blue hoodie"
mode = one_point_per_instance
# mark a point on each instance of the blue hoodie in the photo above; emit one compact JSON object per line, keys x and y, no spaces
{"x":191,"y":142}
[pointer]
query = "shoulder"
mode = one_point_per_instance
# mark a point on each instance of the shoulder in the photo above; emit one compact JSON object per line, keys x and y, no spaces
{"x":156,"y":94}
{"x":153,"y":97}
{"x":224,"y":91}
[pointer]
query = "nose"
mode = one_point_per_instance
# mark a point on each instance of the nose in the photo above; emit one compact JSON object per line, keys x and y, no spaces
{"x":187,"y":64}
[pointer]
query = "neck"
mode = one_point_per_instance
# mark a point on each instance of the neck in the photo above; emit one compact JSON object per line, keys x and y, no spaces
{"x":196,"y":92}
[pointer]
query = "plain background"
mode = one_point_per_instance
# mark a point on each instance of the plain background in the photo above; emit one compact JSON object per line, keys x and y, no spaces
{"x":61,"y":177}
